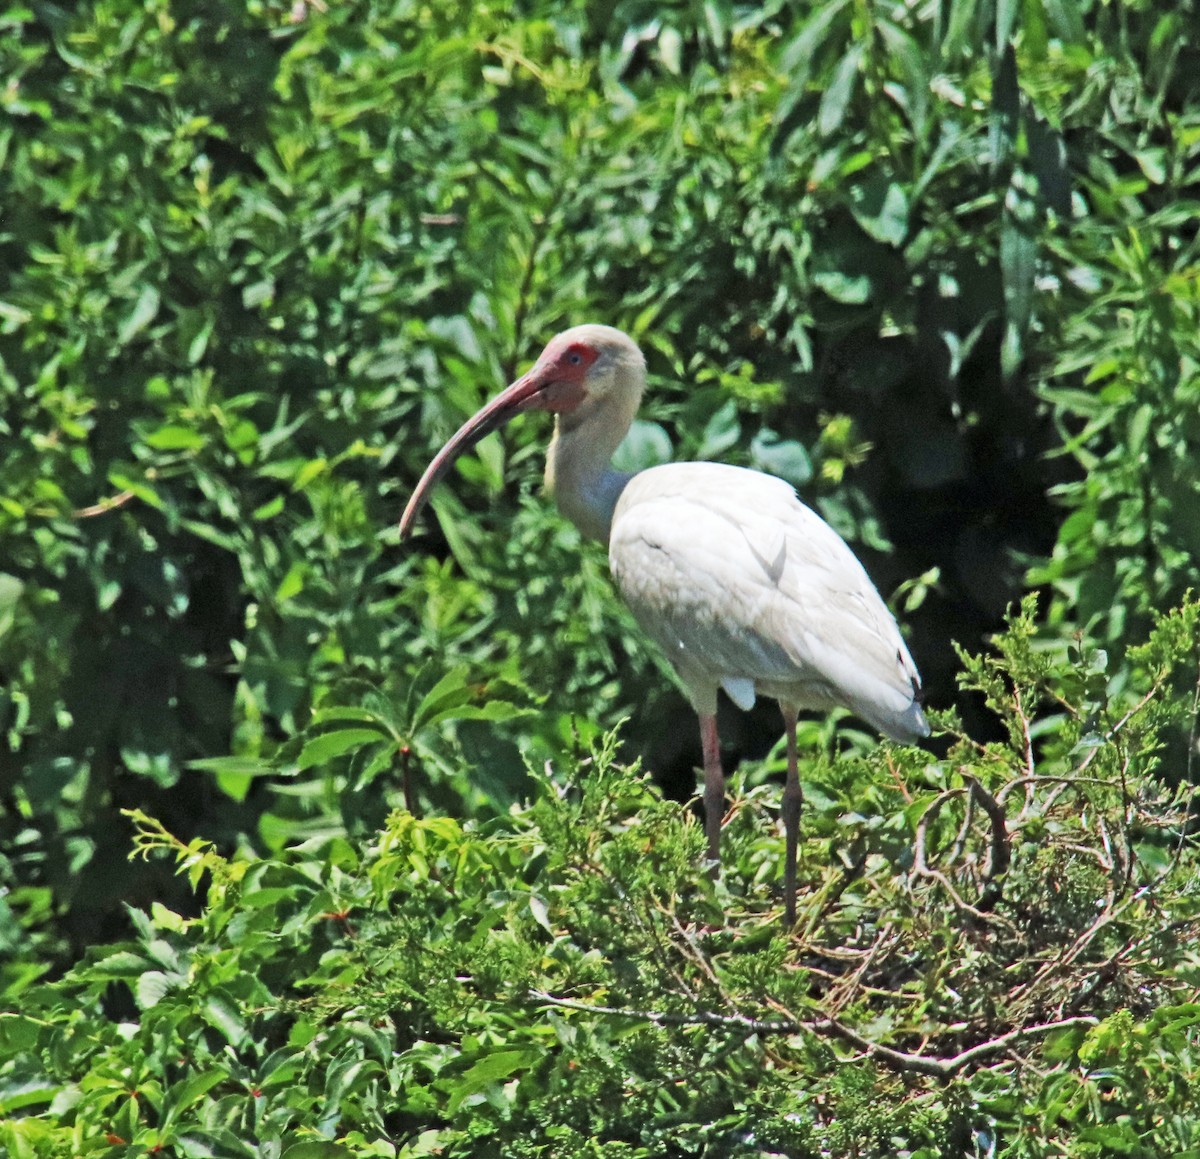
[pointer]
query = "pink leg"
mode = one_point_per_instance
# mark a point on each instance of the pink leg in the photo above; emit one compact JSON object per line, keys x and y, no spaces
{"x":793,"y":799}
{"x":714,"y":787}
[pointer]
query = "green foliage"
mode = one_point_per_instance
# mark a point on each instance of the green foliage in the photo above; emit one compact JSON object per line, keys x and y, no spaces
{"x":996,"y":951}
{"x":1124,"y":382}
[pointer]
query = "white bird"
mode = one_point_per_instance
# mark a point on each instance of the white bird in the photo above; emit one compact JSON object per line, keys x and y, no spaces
{"x":740,"y":584}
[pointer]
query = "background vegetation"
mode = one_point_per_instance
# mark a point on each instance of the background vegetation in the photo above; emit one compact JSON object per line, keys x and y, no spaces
{"x":398,"y":888}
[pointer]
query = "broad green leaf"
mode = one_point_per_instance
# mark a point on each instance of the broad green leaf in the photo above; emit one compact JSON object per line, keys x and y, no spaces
{"x":492,"y":1068}
{"x":225,"y":1016}
{"x":351,"y":712}
{"x":851,"y":289}
{"x":722,"y":432}
{"x":488,"y":710}
{"x":1018,"y":266}
{"x":798,"y":55}
{"x":182,"y":1095}
{"x":20,"y":1089}
{"x":839,"y":91}
{"x":138,"y":488}
{"x":646,"y":445}
{"x":18,"y":1034}
{"x":881,"y":208}
{"x":450,"y":691}
{"x":785,"y":458}
{"x":241,"y":766}
{"x":330,"y":745}
{"x":1006,"y":15}
{"x":10,"y":594}
{"x":144,"y":311}
{"x":292,"y":583}
{"x":152,"y":987}
{"x":174,"y":438}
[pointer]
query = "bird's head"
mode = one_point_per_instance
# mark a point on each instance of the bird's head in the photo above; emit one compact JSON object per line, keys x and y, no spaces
{"x":581,"y":371}
{"x":587,"y":367}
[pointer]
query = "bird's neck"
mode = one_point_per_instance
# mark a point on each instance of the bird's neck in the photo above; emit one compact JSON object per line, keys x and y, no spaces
{"x":579,"y":472}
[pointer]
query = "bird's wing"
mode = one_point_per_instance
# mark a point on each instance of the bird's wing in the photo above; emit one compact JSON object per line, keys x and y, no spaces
{"x":739,"y":582}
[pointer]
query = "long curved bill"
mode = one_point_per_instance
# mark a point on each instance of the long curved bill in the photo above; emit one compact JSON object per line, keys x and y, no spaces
{"x":524,"y":394}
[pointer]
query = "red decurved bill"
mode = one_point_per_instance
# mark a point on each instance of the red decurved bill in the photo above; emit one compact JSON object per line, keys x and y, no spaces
{"x":540,"y":389}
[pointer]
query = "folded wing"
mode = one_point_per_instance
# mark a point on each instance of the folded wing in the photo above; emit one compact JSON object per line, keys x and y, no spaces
{"x":746,"y":588}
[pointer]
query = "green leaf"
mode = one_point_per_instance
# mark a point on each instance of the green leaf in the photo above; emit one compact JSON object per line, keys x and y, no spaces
{"x":492,"y":1068}
{"x":292,"y":583}
{"x":785,"y":458}
{"x":174,"y":438}
{"x":240,"y":766}
{"x":1018,"y":267}
{"x":721,"y":432}
{"x":318,"y":1150}
{"x":152,"y":987}
{"x":18,"y":1034}
{"x":10,"y":595}
{"x":850,"y":289}
{"x":490,"y":710}
{"x":839,"y":91}
{"x":799,"y":54}
{"x":646,"y":445}
{"x":881,"y":208}
{"x":144,"y":311}
{"x":136,"y":487}
{"x":182,"y":1095}
{"x":329,"y":745}
{"x":226,"y":1016}
{"x":22,"y":1088}
{"x":1006,"y":15}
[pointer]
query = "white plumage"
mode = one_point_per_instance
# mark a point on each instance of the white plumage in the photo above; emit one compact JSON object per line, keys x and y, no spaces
{"x":742,"y":586}
{"x":746,"y":588}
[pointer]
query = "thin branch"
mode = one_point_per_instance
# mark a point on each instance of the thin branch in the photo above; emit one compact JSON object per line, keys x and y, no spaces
{"x":1000,"y":850}
{"x":1155,"y":688}
{"x":669,"y":1018}
{"x":920,"y":856}
{"x":964,"y":830}
{"x":1030,"y":768}
{"x":930,"y":1065}
{"x":922,"y":868}
{"x":104,"y":506}
{"x":1177,"y":852}
{"x":1046,"y":779}
{"x":944,"y":1068}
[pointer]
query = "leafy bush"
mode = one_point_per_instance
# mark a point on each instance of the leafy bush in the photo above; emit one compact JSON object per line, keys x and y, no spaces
{"x":995,"y":954}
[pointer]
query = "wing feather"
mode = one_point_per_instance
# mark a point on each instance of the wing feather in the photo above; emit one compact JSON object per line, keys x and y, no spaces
{"x":738,"y":581}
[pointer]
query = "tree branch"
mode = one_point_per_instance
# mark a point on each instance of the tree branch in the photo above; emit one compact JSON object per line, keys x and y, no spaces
{"x":934,"y":1067}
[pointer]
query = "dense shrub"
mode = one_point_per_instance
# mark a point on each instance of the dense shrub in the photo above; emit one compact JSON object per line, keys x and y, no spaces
{"x":995,"y":954}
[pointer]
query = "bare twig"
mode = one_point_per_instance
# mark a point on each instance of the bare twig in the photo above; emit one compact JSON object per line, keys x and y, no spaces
{"x":922,"y":868}
{"x":964,"y":830}
{"x":1027,"y":737}
{"x":930,"y":1065}
{"x":920,"y":854}
{"x":670,"y":1018}
{"x":1000,"y":850}
{"x":104,"y":506}
{"x":1045,"y":779}
{"x":944,"y":1068}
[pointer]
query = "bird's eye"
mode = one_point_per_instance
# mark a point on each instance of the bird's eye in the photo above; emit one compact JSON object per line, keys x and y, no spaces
{"x":574,"y":357}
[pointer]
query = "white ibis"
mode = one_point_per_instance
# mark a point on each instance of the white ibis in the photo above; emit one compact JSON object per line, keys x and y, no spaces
{"x":741,"y":585}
